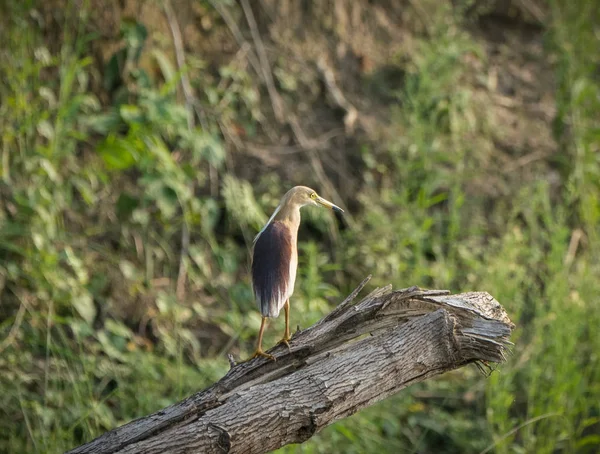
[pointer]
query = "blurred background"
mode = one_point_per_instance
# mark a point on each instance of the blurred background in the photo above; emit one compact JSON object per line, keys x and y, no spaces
{"x":145,"y":143}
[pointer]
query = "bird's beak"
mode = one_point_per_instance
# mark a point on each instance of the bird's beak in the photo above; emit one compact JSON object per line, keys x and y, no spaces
{"x":327,"y":204}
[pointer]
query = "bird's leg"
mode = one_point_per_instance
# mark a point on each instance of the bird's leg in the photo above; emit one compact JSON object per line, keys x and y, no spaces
{"x":286,"y":336}
{"x":259,"y":350}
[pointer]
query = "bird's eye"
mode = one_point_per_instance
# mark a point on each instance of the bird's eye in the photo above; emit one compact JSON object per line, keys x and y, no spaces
{"x":313,"y":195}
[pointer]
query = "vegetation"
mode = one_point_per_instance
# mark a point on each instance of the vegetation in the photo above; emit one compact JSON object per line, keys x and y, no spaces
{"x":127,"y":212}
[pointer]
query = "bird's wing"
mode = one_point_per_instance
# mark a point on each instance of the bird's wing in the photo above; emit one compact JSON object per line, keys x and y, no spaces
{"x":271,"y":260}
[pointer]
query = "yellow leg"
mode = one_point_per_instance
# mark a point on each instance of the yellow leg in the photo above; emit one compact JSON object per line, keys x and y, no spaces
{"x":259,"y":350}
{"x":286,"y":336}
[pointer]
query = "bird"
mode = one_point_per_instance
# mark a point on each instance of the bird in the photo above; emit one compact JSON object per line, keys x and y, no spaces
{"x":275,"y":259}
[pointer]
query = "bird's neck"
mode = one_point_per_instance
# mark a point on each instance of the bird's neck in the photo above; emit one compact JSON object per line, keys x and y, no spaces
{"x":289,"y":215}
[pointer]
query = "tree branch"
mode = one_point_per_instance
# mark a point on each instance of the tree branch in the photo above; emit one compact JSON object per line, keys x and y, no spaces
{"x":352,"y":358}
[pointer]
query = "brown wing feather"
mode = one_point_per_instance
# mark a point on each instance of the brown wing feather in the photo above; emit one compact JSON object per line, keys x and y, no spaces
{"x":271,"y":267}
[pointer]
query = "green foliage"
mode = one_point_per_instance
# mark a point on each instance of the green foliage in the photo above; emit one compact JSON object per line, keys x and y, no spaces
{"x":101,"y":188}
{"x":546,"y":399}
{"x":73,"y":359}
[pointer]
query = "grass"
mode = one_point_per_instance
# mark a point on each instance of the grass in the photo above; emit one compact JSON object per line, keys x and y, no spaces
{"x":95,"y":195}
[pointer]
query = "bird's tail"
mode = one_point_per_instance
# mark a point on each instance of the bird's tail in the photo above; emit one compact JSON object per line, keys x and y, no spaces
{"x":270,"y":308}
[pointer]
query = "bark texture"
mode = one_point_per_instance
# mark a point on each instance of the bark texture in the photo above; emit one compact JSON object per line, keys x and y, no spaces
{"x":355,"y":356}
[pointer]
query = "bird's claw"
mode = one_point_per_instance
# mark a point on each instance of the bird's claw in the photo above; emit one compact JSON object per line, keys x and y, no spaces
{"x":259,"y":353}
{"x":285,"y":340}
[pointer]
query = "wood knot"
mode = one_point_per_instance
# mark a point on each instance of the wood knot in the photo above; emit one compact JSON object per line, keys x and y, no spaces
{"x":224,"y":440}
{"x":308,"y":430}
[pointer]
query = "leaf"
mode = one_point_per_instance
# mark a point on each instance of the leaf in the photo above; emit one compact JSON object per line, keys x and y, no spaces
{"x":128,"y":269}
{"x":240,"y":202}
{"x":125,"y":206}
{"x":50,"y":170}
{"x":77,"y":265}
{"x":84,"y":305}
{"x":118,"y":154}
{"x":103,"y":414}
{"x":131,"y":114}
{"x":102,"y":123}
{"x":141,"y":216}
{"x":112,"y":70}
{"x":165,"y":65}
{"x":48,"y":95}
{"x":205,"y":147}
{"x":108,"y":347}
{"x":590,"y":440}
{"x":85,"y":190}
{"x":135,"y":35}
{"x":167,"y":201}
{"x":117,"y":328}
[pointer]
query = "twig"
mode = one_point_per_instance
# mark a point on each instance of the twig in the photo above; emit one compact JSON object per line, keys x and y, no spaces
{"x":252,"y":59}
{"x":182,"y":272}
{"x":226,"y":130}
{"x":526,"y":160}
{"x":189,"y":104}
{"x":317,"y":144}
{"x":231,"y":360}
{"x":237,"y":34}
{"x":534,"y":10}
{"x":241,"y":58}
{"x":576,"y":238}
{"x":339,"y":98}
{"x":264,"y":62}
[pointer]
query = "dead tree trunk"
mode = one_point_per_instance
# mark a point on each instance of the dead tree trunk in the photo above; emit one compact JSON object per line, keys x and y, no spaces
{"x":352,"y":358}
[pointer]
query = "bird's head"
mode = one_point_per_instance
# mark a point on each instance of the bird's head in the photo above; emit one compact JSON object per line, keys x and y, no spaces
{"x":301,"y":196}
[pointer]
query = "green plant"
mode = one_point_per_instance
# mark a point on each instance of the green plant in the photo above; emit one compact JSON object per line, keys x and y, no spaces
{"x":125,"y":232}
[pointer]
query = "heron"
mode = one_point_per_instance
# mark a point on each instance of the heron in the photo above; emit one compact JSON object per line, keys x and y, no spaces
{"x":275,"y":259}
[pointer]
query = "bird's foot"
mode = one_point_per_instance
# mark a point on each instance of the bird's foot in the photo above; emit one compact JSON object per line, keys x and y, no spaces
{"x":259,"y":353}
{"x":285,"y":340}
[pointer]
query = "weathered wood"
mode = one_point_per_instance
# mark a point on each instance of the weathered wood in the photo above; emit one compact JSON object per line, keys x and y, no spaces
{"x":352,"y":358}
